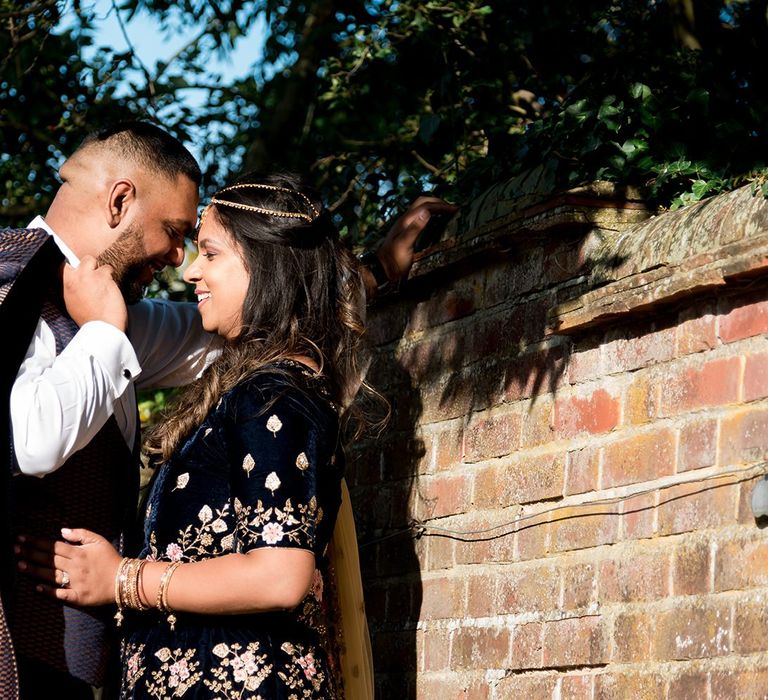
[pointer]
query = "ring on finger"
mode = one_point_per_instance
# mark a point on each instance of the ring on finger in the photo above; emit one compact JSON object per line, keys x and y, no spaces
{"x":64,"y":580}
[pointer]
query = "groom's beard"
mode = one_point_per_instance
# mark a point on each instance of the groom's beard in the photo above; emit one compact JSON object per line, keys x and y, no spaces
{"x":129,"y":262}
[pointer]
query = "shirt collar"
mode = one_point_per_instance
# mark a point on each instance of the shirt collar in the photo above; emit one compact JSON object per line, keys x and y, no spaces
{"x":39,"y":222}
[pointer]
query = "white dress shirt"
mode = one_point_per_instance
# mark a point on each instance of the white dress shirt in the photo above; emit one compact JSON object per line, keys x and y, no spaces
{"x":59,"y":403}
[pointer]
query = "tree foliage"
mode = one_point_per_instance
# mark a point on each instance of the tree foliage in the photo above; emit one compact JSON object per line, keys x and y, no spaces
{"x":379,"y":100}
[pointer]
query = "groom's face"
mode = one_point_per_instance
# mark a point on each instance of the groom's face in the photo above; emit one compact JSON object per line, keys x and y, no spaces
{"x":155,"y":237}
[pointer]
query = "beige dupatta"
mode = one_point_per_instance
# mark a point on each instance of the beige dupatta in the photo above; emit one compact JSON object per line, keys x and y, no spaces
{"x":356,"y":660}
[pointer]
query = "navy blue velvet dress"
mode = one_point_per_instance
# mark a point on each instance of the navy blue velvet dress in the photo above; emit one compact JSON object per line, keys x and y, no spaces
{"x":263,"y":470}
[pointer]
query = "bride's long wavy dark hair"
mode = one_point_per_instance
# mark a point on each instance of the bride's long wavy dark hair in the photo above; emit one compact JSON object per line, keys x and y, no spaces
{"x":304,"y":298}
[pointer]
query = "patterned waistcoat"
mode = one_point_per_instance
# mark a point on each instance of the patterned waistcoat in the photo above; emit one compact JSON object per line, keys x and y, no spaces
{"x":96,"y":488}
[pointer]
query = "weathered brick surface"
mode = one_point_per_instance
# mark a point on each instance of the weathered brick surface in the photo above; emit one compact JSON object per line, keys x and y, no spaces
{"x":596,"y":413}
{"x":631,"y":637}
{"x":692,"y":630}
{"x":639,"y":458}
{"x":567,"y":515}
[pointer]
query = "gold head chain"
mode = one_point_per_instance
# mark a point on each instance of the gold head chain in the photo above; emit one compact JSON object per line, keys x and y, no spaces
{"x":262,"y":210}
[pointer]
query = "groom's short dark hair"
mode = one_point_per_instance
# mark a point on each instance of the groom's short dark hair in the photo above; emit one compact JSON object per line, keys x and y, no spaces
{"x":148,"y":144}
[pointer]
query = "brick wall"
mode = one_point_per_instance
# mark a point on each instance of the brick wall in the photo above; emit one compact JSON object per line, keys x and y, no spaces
{"x":559,"y":506}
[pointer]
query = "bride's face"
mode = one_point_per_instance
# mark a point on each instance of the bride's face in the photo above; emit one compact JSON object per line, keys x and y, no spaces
{"x":220,"y":278}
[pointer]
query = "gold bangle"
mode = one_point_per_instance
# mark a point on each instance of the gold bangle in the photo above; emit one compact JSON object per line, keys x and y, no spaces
{"x":132,"y":584}
{"x":119,"y":579}
{"x":140,"y":586}
{"x":162,"y":593}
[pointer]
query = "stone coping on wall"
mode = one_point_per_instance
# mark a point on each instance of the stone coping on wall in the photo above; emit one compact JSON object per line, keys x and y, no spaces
{"x":501,"y":217}
{"x":630,"y":260}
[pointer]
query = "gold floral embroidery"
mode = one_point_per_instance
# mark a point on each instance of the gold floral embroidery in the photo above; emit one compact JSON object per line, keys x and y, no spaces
{"x":274,"y":424}
{"x":133,"y":664}
{"x":272,"y":482}
{"x":302,"y":462}
{"x":177,"y":674}
{"x":301,"y":669}
{"x":194,"y":541}
{"x":238,"y":672}
{"x":248,"y":464}
{"x":271,"y":525}
{"x":181,"y":481}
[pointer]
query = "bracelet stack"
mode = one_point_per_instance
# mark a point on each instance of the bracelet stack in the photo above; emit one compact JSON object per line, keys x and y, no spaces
{"x":162,"y":594}
{"x":128,"y":589}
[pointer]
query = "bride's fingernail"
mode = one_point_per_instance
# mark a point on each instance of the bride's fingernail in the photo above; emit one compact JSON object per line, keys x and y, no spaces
{"x":66,"y":531}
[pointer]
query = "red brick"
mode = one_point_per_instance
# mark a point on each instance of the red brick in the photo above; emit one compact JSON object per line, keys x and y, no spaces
{"x":597,"y":413}
{"x":537,"y":422}
{"x":528,"y":589}
{"x":535,"y":686}
{"x":635,"y":576}
{"x":527,"y":649}
{"x":741,"y":564}
{"x":523,"y":480}
{"x":441,"y":553}
{"x":756,"y":376}
{"x":697,"y":506}
{"x":467,"y":389}
{"x":689,"y":685}
{"x":480,"y":550}
{"x":443,"y":598}
{"x":641,"y":400}
{"x":644,"y":457}
{"x":532,"y":536}
{"x":715,"y":383}
{"x":740,"y":683}
{"x":742,"y":437}
{"x":622,"y":686}
{"x":577,"y":686}
{"x":492,"y":436}
{"x":504,"y":282}
{"x":481,"y":595}
{"x":445,"y":305}
{"x":437,"y":648}
{"x":623,"y":354}
{"x":750,"y":626}
{"x":639,"y":516}
{"x":692,"y":631}
{"x":448,"y":448}
{"x":582,"y":471}
{"x":580,"y":527}
{"x":443,"y":494}
{"x":574,"y":641}
{"x":698,"y":445}
{"x":483,"y":647}
{"x":526,"y":322}
{"x":631,"y":637}
{"x":745,"y":321}
{"x":424,"y":359}
{"x":534,"y":374}
{"x":584,"y":363}
{"x":696,"y":331}
{"x":579,"y":586}
{"x":690,"y":568}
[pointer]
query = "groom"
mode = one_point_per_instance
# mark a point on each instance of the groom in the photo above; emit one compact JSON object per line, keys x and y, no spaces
{"x":129,"y":198}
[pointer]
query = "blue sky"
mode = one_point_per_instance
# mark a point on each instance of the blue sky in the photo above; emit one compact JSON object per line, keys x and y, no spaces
{"x":151,"y":45}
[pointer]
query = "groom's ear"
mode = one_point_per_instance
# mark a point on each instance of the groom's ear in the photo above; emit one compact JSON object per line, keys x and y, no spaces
{"x":122,"y":194}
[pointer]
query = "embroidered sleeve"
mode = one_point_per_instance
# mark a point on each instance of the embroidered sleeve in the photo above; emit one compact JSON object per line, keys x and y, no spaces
{"x":276,"y":459}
